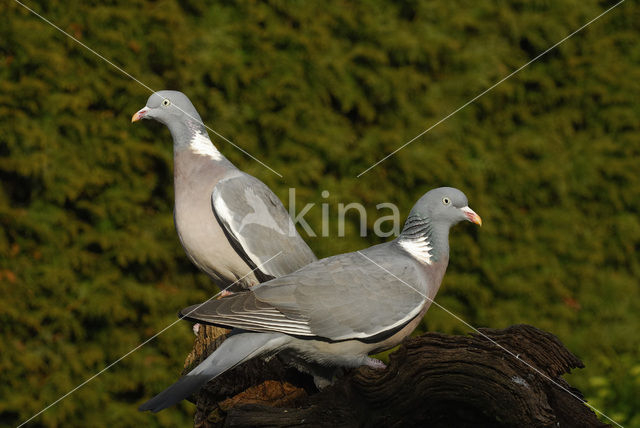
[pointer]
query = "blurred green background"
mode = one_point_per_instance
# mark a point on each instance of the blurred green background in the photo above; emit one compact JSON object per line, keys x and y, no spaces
{"x":90,"y":265}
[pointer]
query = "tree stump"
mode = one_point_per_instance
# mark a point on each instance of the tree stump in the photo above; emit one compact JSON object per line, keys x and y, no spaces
{"x":434,"y":380}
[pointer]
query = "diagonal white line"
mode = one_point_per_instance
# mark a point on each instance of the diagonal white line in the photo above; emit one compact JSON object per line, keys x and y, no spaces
{"x":516,"y":356}
{"x":145,"y":86}
{"x":142,"y":344}
{"x":490,"y":88}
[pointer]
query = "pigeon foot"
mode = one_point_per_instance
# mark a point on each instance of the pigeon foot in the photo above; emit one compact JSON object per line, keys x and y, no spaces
{"x":374,"y":364}
{"x":224,"y":293}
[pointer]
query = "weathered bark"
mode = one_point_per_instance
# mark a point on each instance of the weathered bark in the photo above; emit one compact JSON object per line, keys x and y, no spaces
{"x":434,"y":380}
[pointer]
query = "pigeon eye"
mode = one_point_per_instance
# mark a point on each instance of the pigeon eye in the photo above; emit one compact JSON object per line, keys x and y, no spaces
{"x":446,"y":201}
{"x":166,"y":102}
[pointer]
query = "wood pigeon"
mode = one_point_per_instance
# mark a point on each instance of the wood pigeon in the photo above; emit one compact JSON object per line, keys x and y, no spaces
{"x":338,"y":310}
{"x":229,"y":222}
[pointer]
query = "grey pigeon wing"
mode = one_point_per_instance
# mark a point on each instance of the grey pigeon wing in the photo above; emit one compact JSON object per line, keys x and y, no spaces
{"x":259,"y":227}
{"x":338,"y":298}
{"x":243,"y":310}
{"x":348,"y":297}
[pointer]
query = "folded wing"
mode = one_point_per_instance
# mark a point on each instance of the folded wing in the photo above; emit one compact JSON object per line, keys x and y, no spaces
{"x":259,"y":227}
{"x":338,"y":298}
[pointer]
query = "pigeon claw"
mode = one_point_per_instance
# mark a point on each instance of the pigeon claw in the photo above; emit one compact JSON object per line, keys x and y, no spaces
{"x":224,"y":293}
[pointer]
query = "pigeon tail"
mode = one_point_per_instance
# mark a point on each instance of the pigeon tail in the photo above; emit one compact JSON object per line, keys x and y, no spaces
{"x":233,"y":351}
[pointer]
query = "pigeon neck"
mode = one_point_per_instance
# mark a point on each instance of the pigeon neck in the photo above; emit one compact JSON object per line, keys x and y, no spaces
{"x":425,"y":240}
{"x":192,"y":136}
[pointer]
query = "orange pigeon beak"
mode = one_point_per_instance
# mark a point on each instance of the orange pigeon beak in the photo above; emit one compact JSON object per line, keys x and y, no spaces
{"x":471,"y":215}
{"x":139,"y":115}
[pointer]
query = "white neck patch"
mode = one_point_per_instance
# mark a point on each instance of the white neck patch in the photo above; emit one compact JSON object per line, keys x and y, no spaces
{"x":418,"y":248}
{"x":201,"y":144}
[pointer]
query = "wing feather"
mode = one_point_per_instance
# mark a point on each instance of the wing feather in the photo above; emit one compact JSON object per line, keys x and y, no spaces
{"x":259,"y":227}
{"x":338,"y":298}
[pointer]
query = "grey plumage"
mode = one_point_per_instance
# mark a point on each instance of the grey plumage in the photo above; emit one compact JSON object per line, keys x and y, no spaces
{"x":257,"y":225}
{"x":319,"y":300}
{"x":232,"y":352}
{"x":336,"y":311}
{"x":228,"y":222}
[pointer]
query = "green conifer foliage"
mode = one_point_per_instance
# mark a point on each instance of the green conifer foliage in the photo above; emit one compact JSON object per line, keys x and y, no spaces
{"x":90,"y":265}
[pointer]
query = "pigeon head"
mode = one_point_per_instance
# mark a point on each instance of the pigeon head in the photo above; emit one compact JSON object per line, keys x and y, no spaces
{"x":426,"y":232}
{"x":446,"y":206}
{"x":171,"y":108}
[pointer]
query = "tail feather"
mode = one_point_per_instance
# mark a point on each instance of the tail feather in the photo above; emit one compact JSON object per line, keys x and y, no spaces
{"x":180,"y":390}
{"x":233,"y":351}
